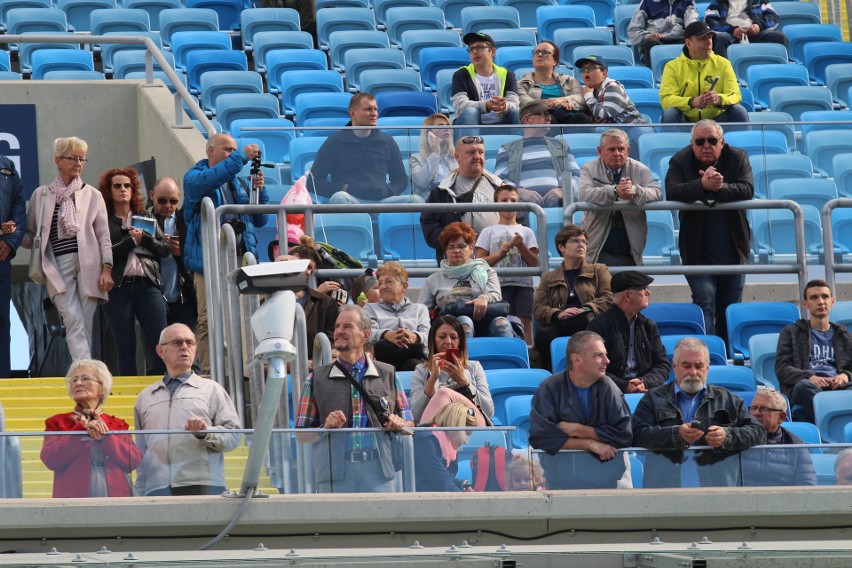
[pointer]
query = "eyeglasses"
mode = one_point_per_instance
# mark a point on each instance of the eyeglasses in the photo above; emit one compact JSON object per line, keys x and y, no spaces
{"x":75,"y":159}
{"x":478,"y":48}
{"x":643,"y":289}
{"x":472,"y":140}
{"x":120,"y":185}
{"x":164,"y":200}
{"x":457,"y":247}
{"x":701,"y":141}
{"x":542,"y":52}
{"x":471,"y":412}
{"x":84,"y":379}
{"x":577,"y":242}
{"x":763,"y":409}
{"x":178,"y":343}
{"x":590,"y":68}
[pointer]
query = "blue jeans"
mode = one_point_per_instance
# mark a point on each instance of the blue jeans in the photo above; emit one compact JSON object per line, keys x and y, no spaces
{"x":713,"y":293}
{"x":472,"y":117}
{"x":139,"y":298}
{"x":735,"y":113}
{"x":344,"y":198}
{"x":497,"y":327}
{"x":5,"y":322}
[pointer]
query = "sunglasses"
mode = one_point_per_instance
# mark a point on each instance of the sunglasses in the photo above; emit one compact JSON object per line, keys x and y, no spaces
{"x":164,"y":200}
{"x":472,"y":140}
{"x":701,"y":141}
{"x":120,"y":185}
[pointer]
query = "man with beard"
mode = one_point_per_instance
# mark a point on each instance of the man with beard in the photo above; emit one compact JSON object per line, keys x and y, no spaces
{"x":673,"y":417}
{"x":333,"y":397}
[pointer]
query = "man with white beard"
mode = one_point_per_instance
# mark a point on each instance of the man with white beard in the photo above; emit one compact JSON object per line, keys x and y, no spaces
{"x":672,"y":418}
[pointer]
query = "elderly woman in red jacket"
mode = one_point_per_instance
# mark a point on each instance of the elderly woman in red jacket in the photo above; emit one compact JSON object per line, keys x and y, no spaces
{"x":97,"y":465}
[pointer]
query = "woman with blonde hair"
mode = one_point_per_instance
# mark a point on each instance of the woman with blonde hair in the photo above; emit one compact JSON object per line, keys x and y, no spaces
{"x":436,"y":157}
{"x":435,"y":452}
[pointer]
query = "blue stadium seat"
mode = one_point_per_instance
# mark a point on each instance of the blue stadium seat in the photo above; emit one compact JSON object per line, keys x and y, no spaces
{"x":527,"y":9}
{"x":769,"y":167}
{"x":796,"y":100}
{"x":255,"y":20}
{"x":654,"y":146}
{"x":552,"y":18}
{"x":763,"y":77}
{"x":771,"y":120}
{"x":499,"y":352}
{"x":660,"y":246}
{"x":832,"y":412}
{"x":571,"y":38}
{"x":131,"y":61}
{"x":662,"y":54}
{"x":838,"y":79}
{"x":78,"y":12}
{"x":406,"y":104}
{"x":715,"y":346}
{"x":187,"y":20}
{"x":201,"y":61}
{"x":735,"y":378}
{"x":187,"y":42}
{"x":414,"y":41}
{"x":10,"y":76}
{"x":758,"y":142}
{"x":604,"y":9}
{"x":616,"y":56}
{"x":325,"y":105}
{"x":433,"y":59}
{"x":514,"y":57}
{"x":622,"y":15}
{"x":295,"y":82}
{"x":763,"y":348}
{"x":119,"y":20}
{"x":215,"y":83}
{"x":406,"y":18}
{"x":342,"y":4}
{"x":444,"y":92}
{"x":807,"y":432}
{"x":26,"y":20}
{"x":632,"y":399}
{"x":158,"y":74}
{"x":73,"y":75}
{"x":28,"y":49}
{"x":744,"y":55}
{"x":342,"y":41}
{"x":504,"y":38}
{"x":381,"y":8}
{"x":233,"y":106}
{"x":377,"y":81}
{"x":797,"y":13}
{"x":635,"y":77}
{"x":824,"y":467}
{"x":153,"y":8}
{"x":823,"y":145}
{"x":825,"y":120}
{"x":402,"y":240}
{"x":358,"y":60}
{"x":557,"y":353}
{"x":841,"y":170}
{"x":813,"y":191}
{"x":752,"y":318}
{"x":5,"y":61}
{"x":518,"y":415}
{"x":322,"y":127}
{"x":818,"y":56}
{"x":478,"y":18}
{"x":799,"y":35}
{"x":842,"y":313}
{"x":267,"y":42}
{"x":7,"y":5}
{"x":452,"y":9}
{"x":110,"y":50}
{"x":647,"y":101}
{"x":506,"y":383}
{"x":228,"y":11}
{"x":841,"y":226}
{"x":676,"y":318}
{"x":344,"y":18}
{"x":303,"y":150}
{"x":583,"y":145}
{"x":281,"y":61}
{"x":272,"y":131}
{"x":774,"y":231}
{"x":46,"y":60}
{"x":351,"y":232}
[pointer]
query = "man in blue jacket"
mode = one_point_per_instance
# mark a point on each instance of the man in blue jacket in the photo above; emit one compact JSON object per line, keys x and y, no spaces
{"x":743,"y":21}
{"x":13,"y":216}
{"x":217,"y":178}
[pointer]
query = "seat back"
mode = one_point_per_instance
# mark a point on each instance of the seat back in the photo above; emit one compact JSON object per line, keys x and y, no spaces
{"x":277,"y":142}
{"x":231,"y":106}
{"x":832,"y":412}
{"x":357,"y":61}
{"x":527,"y":9}
{"x":662,"y":54}
{"x":745,"y":55}
{"x":796,"y":100}
{"x":184,"y":43}
{"x":766,"y":168}
{"x":414,"y":41}
{"x":309,"y":106}
{"x":382,"y":7}
{"x":800,"y":35}
{"x":131,"y":61}
{"x":660,"y":246}
{"x":792,"y":13}
{"x":27,"y":20}
{"x":654,"y":146}
{"x":753,"y":318}
{"x":402,"y":240}
{"x":78,"y":13}
{"x":255,"y":20}
{"x":518,"y":415}
{"x":342,"y":41}
{"x":823,"y":145}
{"x":303,"y":150}
{"x":119,"y":20}
{"x":571,"y":38}
{"x":401,"y":103}
{"x":764,"y":77}
{"x":203,"y":60}
{"x":478,"y":18}
{"x":267,"y":42}
{"x":647,"y":102}
{"x":215,"y":83}
{"x":732,"y":377}
{"x":28,"y":49}
{"x":351,"y":232}
{"x":676,"y":318}
{"x":153,"y":8}
{"x":46,"y":60}
{"x":228,"y":11}
{"x":511,"y":37}
{"x":6,"y":6}
{"x":818,"y":56}
{"x":433,"y":59}
{"x":557,"y":353}
{"x":401,"y":19}
{"x":499,"y":352}
{"x":294,"y":83}
{"x":281,"y":61}
{"x":506,"y":383}
{"x":811,"y":191}
{"x":549,"y":19}
{"x":452,"y":9}
{"x":616,"y":56}
{"x":342,"y":18}
{"x":757,"y":142}
{"x":386,"y":81}
{"x":174,"y":20}
{"x":838,"y":79}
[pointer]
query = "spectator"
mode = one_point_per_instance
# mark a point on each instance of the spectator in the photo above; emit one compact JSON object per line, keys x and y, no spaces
{"x":192,"y":463}
{"x":814,"y":354}
{"x":511,"y":245}
{"x":449,"y":376}
{"x":568,"y":297}
{"x":776,"y":466}
{"x":399,"y":327}
{"x":354,"y":463}
{"x":216,"y":177}
{"x":360,"y":165}
{"x":484,"y":93}
{"x":435,"y":461}
{"x":537,"y":163}
{"x":76,"y":251}
{"x":673,"y":417}
{"x":637,"y":358}
{"x":178,"y":289}
{"x":699,"y":84}
{"x":754,"y":21}
{"x":617,"y":236}
{"x":711,"y":171}
{"x":657,"y":23}
{"x":435,"y":160}
{"x":13,"y":216}
{"x":99,"y":464}
{"x":581,"y":409}
{"x":560,"y":92}
{"x":365,"y":289}
{"x":607,"y":100}
{"x":136,"y":253}
{"x":470,"y":183}
{"x":524,"y":475}
{"x":843,"y":468}
{"x":464,"y":287}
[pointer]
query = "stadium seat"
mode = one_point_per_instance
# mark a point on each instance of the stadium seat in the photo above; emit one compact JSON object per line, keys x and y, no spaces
{"x":187,"y":20}
{"x":5,"y":61}
{"x":303,"y":150}
{"x":774,"y":232}
{"x":78,"y":12}
{"x":769,"y":167}
{"x":10,"y":76}
{"x":832,"y":412}
{"x":552,"y":18}
{"x":841,"y":170}
{"x":406,"y":104}
{"x":46,"y":60}
{"x":201,"y":61}
{"x":281,"y":61}
{"x":763,"y":77}
{"x":676,"y":318}
{"x":604,"y":9}
{"x":228,"y":11}
{"x":813,"y":191}
{"x":119,"y":20}
{"x":662,"y":54}
{"x":557,"y":353}
{"x":632,"y":399}
{"x":110,"y":50}
{"x":28,"y":49}
{"x":322,"y":127}
{"x":745,"y":55}
{"x":444,"y":78}
{"x":267,"y":42}
{"x":823,"y":145}
{"x":27,"y":20}
{"x":715,"y":345}
{"x":796,"y":100}
{"x":358,"y":60}
{"x":571,"y":38}
{"x":514,"y":57}
{"x":351,"y":232}
{"x":131,"y":61}
{"x":763,"y":348}
{"x":527,"y":9}
{"x":807,"y":432}
{"x":818,"y":56}
{"x":414,"y":41}
{"x":274,"y":132}
{"x":825,"y":120}
{"x":295,"y":82}
{"x":327,"y":105}
{"x":153,"y":8}
{"x":342,"y":41}
{"x":187,"y":42}
{"x":433,"y":59}
{"x":847,"y":432}
{"x":751,"y":318}
{"x":7,"y":5}
{"x":233,"y":106}
{"x":478,"y":18}
{"x":452,"y":9}
{"x":401,"y":19}
{"x":342,"y":18}
{"x":824,"y":467}
{"x":504,"y":38}
{"x":583,"y":145}
{"x":757,"y":142}
{"x":799,"y":35}
{"x":215,"y":83}
{"x":797,"y":13}
{"x":616,"y":56}
{"x":159,"y":74}
{"x":499,"y":352}
{"x":634,"y":77}
{"x":73,"y":75}
{"x":660,"y":245}
{"x":379,"y":81}
{"x":255,"y":20}
{"x":342,"y":4}
{"x":506,"y":383}
{"x":771,"y":120}
{"x":647,"y":101}
{"x":838,"y":79}
{"x":402,"y":240}
{"x":735,"y":378}
{"x":655,"y":146}
{"x":518,"y":415}
{"x":381,"y":8}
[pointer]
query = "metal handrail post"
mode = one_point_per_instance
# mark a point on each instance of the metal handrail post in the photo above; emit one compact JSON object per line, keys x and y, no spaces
{"x":828,"y":238}
{"x":209,"y":249}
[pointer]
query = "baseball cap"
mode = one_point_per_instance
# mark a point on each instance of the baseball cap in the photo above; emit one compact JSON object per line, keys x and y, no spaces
{"x":697,"y":29}
{"x":477,"y":37}
{"x":595,"y":59}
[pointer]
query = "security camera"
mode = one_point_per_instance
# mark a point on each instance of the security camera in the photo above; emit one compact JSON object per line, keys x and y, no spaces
{"x":273,"y":324}
{"x":271,"y":277}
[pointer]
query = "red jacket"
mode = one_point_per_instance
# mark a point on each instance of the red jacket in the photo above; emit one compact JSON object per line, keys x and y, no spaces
{"x":69,"y":457}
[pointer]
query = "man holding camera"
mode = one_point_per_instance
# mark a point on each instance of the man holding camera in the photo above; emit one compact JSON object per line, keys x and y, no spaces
{"x":216,"y":177}
{"x":675,"y":416}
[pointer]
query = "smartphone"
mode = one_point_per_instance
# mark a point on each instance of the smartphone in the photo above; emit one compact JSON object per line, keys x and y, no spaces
{"x":340,"y":295}
{"x":695,"y":424}
{"x":452,"y":354}
{"x":144,"y":223}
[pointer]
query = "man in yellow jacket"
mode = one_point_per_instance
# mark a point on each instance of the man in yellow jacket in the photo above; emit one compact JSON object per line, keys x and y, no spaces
{"x":700,"y":84}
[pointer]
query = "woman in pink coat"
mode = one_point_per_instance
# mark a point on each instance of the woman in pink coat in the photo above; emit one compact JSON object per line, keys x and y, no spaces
{"x":97,"y":465}
{"x":75,"y":245}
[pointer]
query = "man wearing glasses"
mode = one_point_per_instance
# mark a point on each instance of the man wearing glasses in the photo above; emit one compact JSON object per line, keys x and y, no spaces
{"x":178,"y":289}
{"x":711,"y":171}
{"x":637,"y":358}
{"x":191,"y":463}
{"x":484,"y":93}
{"x":672,"y":418}
{"x":813,"y":355}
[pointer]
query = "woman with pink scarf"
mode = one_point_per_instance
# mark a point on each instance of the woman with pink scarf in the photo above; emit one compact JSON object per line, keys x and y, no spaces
{"x":435,"y":464}
{"x":75,"y":245}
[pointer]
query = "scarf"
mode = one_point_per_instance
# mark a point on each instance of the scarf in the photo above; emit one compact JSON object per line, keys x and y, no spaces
{"x":447,"y":450}
{"x":68,"y":224}
{"x":475,"y":269}
{"x":86,"y":415}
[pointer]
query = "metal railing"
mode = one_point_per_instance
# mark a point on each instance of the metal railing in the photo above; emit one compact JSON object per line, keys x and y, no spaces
{"x":831,"y":265}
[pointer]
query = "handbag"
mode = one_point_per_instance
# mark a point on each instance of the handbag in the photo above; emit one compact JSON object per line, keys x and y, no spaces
{"x":36,"y":270}
{"x":462,"y":308}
